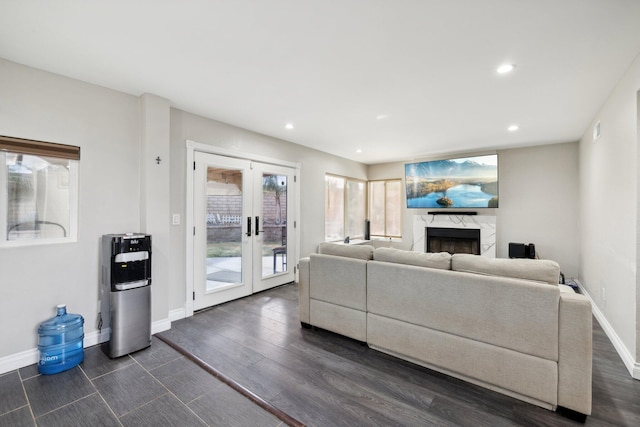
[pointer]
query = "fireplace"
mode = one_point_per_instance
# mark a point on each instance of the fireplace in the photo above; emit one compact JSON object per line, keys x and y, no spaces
{"x":452,"y":240}
{"x":486,"y":224}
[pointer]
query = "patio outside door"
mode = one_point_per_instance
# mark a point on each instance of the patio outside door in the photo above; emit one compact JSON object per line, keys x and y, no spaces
{"x":242,"y":236}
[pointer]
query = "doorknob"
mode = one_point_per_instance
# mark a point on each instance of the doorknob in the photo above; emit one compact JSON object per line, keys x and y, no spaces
{"x":249,"y":226}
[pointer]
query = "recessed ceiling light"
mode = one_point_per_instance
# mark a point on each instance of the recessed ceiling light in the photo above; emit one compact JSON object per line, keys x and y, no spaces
{"x":513,"y":128}
{"x":505,"y":68}
{"x":359,"y":150}
{"x":382,"y":116}
{"x":289,"y":126}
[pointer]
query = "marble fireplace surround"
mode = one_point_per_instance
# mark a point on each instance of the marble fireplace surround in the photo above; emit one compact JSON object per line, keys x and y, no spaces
{"x":486,"y":224}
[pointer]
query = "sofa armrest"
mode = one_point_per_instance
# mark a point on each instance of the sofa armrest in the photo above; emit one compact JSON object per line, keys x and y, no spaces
{"x":575,"y":353}
{"x":303,"y":290}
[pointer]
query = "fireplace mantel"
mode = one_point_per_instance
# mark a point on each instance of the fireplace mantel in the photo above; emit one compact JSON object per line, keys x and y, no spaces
{"x":486,"y":224}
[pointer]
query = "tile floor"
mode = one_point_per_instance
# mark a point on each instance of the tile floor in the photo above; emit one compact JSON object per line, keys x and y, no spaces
{"x":152,"y":387}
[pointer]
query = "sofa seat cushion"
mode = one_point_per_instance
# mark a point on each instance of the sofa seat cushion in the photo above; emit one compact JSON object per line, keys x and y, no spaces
{"x":440,"y":260}
{"x":520,"y":315}
{"x":493,"y":366}
{"x":350,"y":251}
{"x":341,"y":320}
{"x":539,"y":270}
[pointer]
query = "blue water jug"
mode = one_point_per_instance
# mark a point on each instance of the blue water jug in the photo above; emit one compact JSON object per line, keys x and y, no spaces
{"x":60,"y":342}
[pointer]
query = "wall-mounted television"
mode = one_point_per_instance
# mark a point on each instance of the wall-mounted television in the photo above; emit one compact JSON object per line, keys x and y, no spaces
{"x":466,"y":182}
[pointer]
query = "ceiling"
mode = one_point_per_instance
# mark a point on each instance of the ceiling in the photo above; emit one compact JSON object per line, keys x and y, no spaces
{"x":397,"y":79}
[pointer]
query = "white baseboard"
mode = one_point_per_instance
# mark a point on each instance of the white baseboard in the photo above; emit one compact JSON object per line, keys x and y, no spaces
{"x":30,"y":357}
{"x":18,"y":360}
{"x":627,"y":358}
{"x":177,"y":314}
{"x":160,"y":326}
{"x":96,"y":337}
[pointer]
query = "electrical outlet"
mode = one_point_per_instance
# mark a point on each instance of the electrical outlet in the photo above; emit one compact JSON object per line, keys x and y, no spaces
{"x":175,"y":219}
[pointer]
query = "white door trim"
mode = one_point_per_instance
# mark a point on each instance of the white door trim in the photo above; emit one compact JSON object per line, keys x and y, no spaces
{"x":192,"y":147}
{"x":206,"y":148}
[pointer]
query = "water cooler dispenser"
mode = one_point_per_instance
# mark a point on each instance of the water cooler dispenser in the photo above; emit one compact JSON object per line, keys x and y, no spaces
{"x":126,"y":292}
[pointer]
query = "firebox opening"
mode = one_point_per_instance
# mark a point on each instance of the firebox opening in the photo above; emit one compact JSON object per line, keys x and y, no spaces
{"x":452,"y":240}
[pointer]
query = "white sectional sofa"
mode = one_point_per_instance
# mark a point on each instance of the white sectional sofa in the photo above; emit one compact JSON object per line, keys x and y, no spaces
{"x":500,"y":323}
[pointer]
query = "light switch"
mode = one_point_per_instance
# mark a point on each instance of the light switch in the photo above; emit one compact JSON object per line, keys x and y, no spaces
{"x":175,"y":220}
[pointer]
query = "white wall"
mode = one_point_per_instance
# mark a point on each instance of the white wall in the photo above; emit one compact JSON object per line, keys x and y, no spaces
{"x":155,"y":200}
{"x":104,"y":123}
{"x":538,"y":202}
{"x":609,"y":212}
{"x":314,"y":165}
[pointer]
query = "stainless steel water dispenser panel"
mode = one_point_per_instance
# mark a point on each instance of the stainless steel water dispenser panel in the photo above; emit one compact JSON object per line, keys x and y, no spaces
{"x":126,"y":292}
{"x":130,"y":321}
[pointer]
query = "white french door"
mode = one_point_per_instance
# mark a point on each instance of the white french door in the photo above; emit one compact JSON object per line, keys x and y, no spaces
{"x":243,"y":228}
{"x":274,"y":227}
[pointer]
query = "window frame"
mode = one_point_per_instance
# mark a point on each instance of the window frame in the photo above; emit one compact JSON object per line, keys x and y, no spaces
{"x":345,"y":203}
{"x":39,"y":149}
{"x":386,"y":235}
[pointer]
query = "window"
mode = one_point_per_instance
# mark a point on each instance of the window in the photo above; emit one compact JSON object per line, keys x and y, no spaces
{"x":39,"y":182}
{"x":345,"y":208}
{"x":385,"y":208}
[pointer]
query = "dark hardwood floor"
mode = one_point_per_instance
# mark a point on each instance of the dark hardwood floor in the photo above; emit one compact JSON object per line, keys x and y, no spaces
{"x":324,"y":379}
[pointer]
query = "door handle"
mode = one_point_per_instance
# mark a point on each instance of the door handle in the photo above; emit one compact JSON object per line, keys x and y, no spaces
{"x":257,"y":225}
{"x":249,"y":226}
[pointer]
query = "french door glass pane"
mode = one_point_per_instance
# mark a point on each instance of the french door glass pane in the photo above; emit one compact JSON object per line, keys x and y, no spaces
{"x":224,"y":227}
{"x":274,"y":224}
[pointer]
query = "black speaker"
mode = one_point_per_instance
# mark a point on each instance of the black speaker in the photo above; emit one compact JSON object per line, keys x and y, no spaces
{"x":517,"y":250}
{"x":367,"y":229}
{"x":520,"y":250}
{"x":531,"y":251}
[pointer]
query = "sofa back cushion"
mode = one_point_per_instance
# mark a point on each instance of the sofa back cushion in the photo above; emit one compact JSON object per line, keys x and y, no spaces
{"x":350,"y":251}
{"x":440,"y":260}
{"x":338,"y":280}
{"x":539,"y":270}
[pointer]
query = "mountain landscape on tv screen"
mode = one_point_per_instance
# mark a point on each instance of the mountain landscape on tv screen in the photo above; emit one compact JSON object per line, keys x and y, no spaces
{"x":466,"y":183}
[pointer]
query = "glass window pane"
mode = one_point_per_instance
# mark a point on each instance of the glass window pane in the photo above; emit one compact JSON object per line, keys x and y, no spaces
{"x":356,"y":209}
{"x":38,"y":197}
{"x":377,"y":207}
{"x":385,"y":209}
{"x":394,"y":208}
{"x":334,"y":208}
